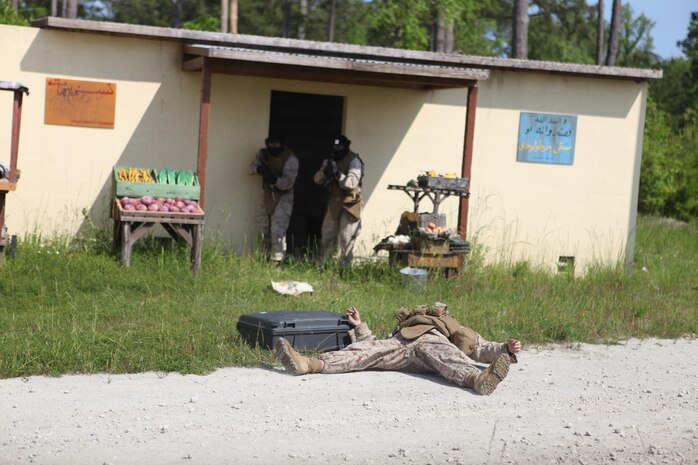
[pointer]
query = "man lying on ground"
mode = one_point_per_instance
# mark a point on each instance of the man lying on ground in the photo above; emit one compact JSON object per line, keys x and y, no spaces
{"x":427,"y":340}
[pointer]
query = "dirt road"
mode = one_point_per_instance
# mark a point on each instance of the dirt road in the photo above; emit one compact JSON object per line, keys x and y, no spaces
{"x":633,"y":403}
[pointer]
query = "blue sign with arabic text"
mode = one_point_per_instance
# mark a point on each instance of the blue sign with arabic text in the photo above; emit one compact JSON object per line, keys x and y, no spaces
{"x":546,"y":138}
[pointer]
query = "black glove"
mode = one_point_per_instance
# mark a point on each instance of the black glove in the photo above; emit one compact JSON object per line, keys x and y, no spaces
{"x":331,"y":171}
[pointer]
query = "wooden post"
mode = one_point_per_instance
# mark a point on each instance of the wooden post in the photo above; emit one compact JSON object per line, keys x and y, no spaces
{"x":14,"y":142}
{"x":204,"y":112}
{"x":234,"y":16}
{"x":467,"y":158}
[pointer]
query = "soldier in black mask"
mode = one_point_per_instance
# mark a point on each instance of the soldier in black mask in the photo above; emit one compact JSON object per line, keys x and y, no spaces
{"x":342,"y":173}
{"x":278,"y":167}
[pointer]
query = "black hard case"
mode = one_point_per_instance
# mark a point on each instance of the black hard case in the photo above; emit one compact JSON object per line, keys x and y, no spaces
{"x":304,"y":329}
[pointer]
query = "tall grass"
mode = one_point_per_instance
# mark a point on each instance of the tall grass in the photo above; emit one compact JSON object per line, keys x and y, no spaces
{"x":69,"y":306}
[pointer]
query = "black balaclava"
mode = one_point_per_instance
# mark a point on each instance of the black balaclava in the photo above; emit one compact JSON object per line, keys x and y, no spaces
{"x":340,"y":147}
{"x":275,"y":145}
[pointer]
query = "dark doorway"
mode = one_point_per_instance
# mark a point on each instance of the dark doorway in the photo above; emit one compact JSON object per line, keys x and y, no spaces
{"x":309,"y":122}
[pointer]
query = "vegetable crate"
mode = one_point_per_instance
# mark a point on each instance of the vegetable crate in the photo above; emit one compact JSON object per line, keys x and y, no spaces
{"x":440,"y":182}
{"x":439,"y":219}
{"x":156,"y":189}
{"x":430,"y":245}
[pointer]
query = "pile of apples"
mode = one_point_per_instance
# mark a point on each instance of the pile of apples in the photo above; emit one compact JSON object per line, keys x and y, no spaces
{"x":160,"y":204}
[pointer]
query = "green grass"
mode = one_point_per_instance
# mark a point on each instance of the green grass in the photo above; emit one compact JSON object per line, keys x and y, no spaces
{"x":71,"y":308}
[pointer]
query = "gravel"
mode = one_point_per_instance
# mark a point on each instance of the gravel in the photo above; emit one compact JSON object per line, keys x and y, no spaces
{"x":631,"y":403}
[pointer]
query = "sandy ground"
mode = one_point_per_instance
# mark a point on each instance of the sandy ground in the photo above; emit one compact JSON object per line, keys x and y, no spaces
{"x":633,"y":403}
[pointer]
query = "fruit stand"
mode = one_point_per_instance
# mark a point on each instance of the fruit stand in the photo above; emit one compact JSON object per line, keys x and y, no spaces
{"x":422,"y":240}
{"x":144,"y":198}
{"x":9,"y":174}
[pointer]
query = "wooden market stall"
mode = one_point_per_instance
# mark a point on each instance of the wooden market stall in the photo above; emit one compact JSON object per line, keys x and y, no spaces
{"x":144,"y":198}
{"x":427,"y":242}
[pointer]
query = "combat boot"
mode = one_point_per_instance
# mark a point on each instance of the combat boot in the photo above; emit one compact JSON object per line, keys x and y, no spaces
{"x":487,"y":381}
{"x":295,"y":363}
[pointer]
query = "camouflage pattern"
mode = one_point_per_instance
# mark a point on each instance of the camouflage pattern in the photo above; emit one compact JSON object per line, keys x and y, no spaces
{"x":339,"y":225}
{"x":430,"y":353}
{"x":273,"y":226}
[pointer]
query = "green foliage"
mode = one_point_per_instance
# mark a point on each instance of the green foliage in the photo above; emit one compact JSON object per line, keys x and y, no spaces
{"x":399,"y":23}
{"x":71,"y":308}
{"x":661,"y":162}
{"x":203,"y":23}
{"x":9,"y":15}
{"x":635,"y":41}
{"x":562,"y":31}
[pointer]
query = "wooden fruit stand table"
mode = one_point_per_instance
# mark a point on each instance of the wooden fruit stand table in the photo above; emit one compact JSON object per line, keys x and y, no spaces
{"x":131,"y":225}
{"x":423,"y":252}
{"x":451,"y":263}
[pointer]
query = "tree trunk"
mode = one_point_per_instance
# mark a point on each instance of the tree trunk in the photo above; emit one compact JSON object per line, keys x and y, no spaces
{"x":224,"y":15}
{"x":600,"y":30}
{"x":519,"y":39}
{"x":439,"y":36}
{"x":234,"y":16}
{"x":613,"y":34}
{"x":64,"y":8}
{"x":72,"y":9}
{"x":54,"y":7}
{"x":303,"y":7}
{"x":330,"y":27}
{"x":287,"y":17}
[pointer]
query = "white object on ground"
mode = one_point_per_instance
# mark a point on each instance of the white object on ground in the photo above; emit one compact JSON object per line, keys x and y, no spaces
{"x":291,"y":287}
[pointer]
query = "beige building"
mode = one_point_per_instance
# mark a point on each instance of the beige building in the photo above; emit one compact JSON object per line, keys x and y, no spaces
{"x":206,"y":101}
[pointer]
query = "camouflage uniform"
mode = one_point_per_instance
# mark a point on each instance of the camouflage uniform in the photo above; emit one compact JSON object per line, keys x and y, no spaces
{"x":430,"y":353}
{"x":275,"y":209}
{"x":342,"y":220}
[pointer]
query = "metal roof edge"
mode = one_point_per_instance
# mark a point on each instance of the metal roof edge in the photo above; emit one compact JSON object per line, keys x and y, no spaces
{"x":333,"y":48}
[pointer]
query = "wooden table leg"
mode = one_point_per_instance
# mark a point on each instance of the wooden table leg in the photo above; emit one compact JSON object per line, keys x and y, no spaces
{"x":126,"y":245}
{"x":115,"y":236}
{"x":196,"y":244}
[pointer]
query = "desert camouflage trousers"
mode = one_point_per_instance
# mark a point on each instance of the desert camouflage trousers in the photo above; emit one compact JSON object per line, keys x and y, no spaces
{"x":343,"y":230}
{"x":430,"y":353}
{"x":273,"y":227}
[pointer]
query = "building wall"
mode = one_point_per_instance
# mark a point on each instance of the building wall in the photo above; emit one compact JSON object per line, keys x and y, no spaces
{"x":517,"y":210}
{"x":539,"y":212}
{"x":67,"y":169}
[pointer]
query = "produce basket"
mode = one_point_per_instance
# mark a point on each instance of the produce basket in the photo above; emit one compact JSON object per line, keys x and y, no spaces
{"x":430,"y":244}
{"x":121,"y":188}
{"x":441,"y":182}
{"x":120,"y":214}
{"x":439,"y":219}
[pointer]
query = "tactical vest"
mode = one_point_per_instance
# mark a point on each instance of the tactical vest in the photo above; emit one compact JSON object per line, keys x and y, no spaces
{"x":273,"y":194}
{"x":340,"y":199}
{"x":412,"y":323}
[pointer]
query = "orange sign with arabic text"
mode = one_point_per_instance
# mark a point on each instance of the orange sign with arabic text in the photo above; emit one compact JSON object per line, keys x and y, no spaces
{"x":80,"y":103}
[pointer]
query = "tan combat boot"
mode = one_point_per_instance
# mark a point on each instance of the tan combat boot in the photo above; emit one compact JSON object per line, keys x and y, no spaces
{"x":487,"y":381}
{"x":295,"y":363}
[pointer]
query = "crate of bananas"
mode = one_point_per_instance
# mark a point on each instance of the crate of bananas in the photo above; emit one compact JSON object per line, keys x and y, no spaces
{"x":450,"y":181}
{"x":166,"y":183}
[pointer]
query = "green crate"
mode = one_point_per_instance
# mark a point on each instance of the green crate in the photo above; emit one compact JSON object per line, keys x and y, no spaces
{"x":139,"y":189}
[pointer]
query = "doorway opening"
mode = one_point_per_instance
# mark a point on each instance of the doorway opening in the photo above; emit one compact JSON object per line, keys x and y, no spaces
{"x":309,"y":122}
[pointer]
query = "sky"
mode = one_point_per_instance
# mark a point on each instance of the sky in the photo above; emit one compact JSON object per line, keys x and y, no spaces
{"x":671,"y":19}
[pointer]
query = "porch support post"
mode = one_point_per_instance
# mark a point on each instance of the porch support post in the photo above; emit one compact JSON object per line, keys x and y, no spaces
{"x":204,"y":112}
{"x":14,"y":142}
{"x":467,"y":158}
